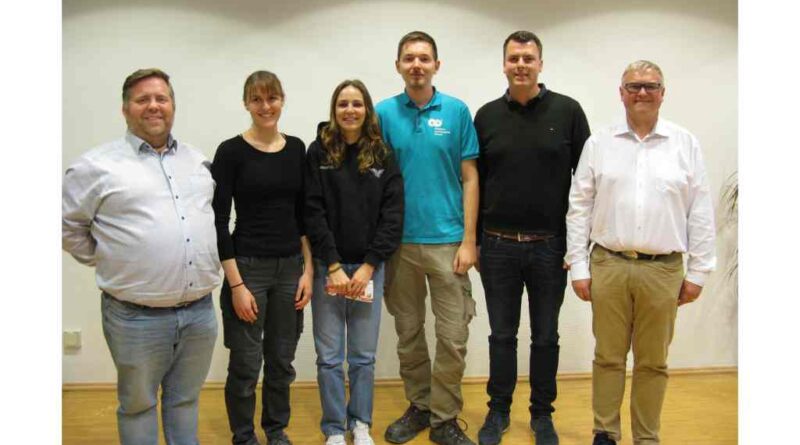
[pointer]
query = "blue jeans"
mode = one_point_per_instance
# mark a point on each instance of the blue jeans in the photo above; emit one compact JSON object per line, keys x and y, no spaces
{"x":507,"y":266}
{"x":159,"y":347}
{"x":333,"y":318}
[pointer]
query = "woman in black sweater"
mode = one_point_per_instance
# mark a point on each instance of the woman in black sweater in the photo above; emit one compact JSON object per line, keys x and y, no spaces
{"x":354,"y":218}
{"x":267,"y":260}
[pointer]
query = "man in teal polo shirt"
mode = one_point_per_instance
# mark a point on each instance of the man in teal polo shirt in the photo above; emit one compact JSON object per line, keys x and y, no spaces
{"x":436,"y":147}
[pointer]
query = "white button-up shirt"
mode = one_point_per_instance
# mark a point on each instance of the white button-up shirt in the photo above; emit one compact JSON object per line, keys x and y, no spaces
{"x":650,"y":195}
{"x":144,"y":220}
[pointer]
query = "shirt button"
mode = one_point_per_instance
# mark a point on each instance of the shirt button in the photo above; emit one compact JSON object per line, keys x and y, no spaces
{"x":176,"y":196}
{"x":187,"y":240}
{"x":182,"y":217}
{"x":190,"y":263}
{"x":190,"y":284}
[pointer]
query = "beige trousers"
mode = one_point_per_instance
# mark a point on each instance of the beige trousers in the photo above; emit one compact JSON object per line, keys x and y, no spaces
{"x":634,"y":303}
{"x":437,"y":388}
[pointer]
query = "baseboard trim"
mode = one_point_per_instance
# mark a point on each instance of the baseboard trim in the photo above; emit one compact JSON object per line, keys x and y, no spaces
{"x":396,"y":381}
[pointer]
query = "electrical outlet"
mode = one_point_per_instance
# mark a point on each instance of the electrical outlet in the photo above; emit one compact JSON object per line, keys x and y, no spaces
{"x":72,"y":339}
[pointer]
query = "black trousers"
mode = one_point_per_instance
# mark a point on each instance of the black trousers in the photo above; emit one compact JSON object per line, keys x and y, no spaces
{"x":272,"y":339}
{"x":507,"y":266}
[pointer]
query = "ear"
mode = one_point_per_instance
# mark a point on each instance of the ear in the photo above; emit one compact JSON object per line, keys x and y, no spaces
{"x":438,"y":64}
{"x":621,"y":93}
{"x":397,"y":66}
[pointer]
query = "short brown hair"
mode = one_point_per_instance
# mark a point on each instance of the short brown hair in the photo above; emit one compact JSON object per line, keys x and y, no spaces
{"x":523,"y":37}
{"x":140,"y":75}
{"x":262,"y":80}
{"x":417,"y":36}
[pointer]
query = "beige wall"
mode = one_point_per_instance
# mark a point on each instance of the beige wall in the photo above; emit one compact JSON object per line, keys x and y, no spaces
{"x":209,"y":47}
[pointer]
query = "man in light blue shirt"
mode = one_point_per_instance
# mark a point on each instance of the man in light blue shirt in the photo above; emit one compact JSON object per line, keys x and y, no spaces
{"x":434,"y":140}
{"x":138,"y":209}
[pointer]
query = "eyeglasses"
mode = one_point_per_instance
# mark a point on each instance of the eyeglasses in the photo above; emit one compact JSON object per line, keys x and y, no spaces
{"x":635,"y":87}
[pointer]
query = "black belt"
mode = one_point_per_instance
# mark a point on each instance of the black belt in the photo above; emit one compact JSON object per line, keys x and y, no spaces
{"x":518,"y":236}
{"x":634,"y":255}
{"x":181,"y":305}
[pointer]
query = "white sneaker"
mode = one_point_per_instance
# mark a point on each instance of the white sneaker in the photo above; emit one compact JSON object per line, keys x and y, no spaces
{"x":336,"y":439}
{"x":361,"y":434}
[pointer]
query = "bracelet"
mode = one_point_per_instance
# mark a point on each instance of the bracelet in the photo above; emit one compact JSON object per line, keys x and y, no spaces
{"x":335,"y":269}
{"x":237,"y":285}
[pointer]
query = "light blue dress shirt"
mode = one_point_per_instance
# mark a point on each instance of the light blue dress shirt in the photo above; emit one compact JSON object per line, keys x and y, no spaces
{"x":144,"y":220}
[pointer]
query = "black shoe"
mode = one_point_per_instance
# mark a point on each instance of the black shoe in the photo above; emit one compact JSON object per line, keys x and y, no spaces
{"x":544,"y":430}
{"x":408,"y":426}
{"x":279,"y":438}
{"x":494,"y":426}
{"x":449,"y":433}
{"x":603,"y":439}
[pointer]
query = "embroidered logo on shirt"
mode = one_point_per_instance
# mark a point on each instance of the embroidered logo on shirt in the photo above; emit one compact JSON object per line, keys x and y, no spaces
{"x":438,"y":130}
{"x":376,"y":172}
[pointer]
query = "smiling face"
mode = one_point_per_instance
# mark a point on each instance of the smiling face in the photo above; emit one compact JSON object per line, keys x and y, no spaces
{"x":150,"y":110}
{"x":417,"y":64}
{"x":265,"y":107}
{"x":642,"y":103}
{"x":522,"y":64}
{"x":350,"y":112}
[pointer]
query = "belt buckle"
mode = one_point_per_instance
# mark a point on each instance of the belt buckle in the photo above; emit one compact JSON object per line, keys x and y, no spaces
{"x":519,"y":237}
{"x":630,"y":254}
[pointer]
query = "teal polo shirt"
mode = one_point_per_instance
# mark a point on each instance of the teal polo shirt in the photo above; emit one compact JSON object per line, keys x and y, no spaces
{"x":429,"y":144}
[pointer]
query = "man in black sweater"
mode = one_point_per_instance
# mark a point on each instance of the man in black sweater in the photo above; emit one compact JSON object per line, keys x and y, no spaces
{"x":530,"y":143}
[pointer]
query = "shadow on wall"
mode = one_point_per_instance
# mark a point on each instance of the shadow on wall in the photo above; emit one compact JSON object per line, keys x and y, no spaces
{"x":543,"y":12}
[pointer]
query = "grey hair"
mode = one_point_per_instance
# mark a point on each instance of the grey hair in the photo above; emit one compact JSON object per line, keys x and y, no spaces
{"x":641,"y":66}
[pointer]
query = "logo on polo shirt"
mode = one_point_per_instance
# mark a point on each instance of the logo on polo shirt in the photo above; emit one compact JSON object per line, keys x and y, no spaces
{"x":438,"y":130}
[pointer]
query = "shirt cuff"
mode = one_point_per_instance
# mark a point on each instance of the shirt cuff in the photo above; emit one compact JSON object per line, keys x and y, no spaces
{"x":696,"y":277}
{"x":579,"y":270}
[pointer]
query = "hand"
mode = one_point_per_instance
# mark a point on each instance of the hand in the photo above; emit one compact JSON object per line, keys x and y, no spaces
{"x":565,"y":266}
{"x":466,"y":256}
{"x":304,"y":290}
{"x":689,"y":292}
{"x":337,"y":282}
{"x":244,"y":304}
{"x":359,"y":280}
{"x":583,"y":288}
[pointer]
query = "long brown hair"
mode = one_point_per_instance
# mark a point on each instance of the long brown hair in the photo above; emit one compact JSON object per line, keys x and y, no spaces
{"x":372,"y":150}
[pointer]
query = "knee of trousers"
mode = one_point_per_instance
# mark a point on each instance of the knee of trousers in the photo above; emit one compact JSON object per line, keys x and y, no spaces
{"x":610,"y":363}
{"x":136,"y":402}
{"x":245,"y":365}
{"x":360,"y":359}
{"x":545,"y":338}
{"x":452,"y":332}
{"x":503,"y":340}
{"x":408,"y":329}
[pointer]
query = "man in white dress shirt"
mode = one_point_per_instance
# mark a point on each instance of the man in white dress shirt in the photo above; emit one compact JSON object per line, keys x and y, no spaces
{"x":641,"y":197}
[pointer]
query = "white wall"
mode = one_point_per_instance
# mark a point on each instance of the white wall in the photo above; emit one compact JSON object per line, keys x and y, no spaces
{"x":209,"y":47}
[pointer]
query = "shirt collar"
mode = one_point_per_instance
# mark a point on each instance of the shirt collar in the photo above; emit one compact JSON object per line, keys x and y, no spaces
{"x":510,"y":100}
{"x":140,"y":144}
{"x":660,"y":129}
{"x":435,"y":102}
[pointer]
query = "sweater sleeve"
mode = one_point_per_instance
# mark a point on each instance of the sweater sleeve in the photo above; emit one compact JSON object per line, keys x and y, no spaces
{"x":389,"y":231}
{"x":299,"y":205}
{"x":223,"y":170}
{"x":323,"y":244}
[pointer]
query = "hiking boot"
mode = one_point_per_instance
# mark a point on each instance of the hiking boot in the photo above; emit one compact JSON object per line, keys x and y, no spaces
{"x":449,"y":433}
{"x":408,"y":426}
{"x":494,"y":426}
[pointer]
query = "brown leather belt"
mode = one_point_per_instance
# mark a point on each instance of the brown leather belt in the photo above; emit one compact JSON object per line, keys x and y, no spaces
{"x":634,"y":255}
{"x":517,"y":236}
